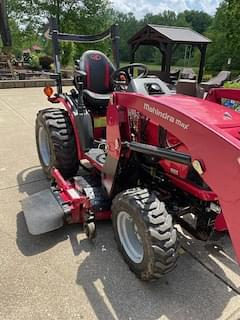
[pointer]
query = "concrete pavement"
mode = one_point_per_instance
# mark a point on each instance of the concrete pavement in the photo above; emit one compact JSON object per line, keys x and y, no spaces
{"x":61,"y":275}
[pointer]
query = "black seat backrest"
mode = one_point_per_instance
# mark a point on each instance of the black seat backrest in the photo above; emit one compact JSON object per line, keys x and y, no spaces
{"x":98,"y":69}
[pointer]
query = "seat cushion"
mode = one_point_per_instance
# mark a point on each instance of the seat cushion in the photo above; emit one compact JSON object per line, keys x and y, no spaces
{"x":95,"y":100}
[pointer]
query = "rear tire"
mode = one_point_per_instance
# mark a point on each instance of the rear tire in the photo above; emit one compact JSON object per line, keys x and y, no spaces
{"x":144,"y":233}
{"x":55,"y":141}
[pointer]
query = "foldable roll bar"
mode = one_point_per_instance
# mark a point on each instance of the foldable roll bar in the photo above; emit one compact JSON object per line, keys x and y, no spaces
{"x":56,"y":37}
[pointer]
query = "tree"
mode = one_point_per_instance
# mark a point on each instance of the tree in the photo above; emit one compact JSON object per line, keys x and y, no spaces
{"x":224,"y":32}
{"x":128,"y":26}
{"x":231,"y":18}
{"x":27,"y":18}
{"x":198,"y":20}
{"x":74,"y":16}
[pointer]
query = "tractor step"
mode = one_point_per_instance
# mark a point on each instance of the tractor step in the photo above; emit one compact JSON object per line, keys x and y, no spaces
{"x":42,"y":212}
{"x":92,"y":188}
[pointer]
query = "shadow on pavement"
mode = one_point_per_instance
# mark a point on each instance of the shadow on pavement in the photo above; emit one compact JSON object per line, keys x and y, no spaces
{"x":217,"y":256}
{"x":31,"y":245}
{"x":189,"y":292}
{"x":32,"y":180}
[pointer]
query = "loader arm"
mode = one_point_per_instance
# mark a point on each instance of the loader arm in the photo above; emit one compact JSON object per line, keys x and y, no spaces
{"x":189,"y":119}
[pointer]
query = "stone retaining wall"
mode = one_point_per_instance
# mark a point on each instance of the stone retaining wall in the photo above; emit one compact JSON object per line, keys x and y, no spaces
{"x":5,"y":84}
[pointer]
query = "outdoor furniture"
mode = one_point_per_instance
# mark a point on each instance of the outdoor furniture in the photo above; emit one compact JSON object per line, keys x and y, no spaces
{"x":174,"y":75}
{"x":217,"y":81}
{"x":165,"y":76}
{"x":162,"y":75}
{"x":188,"y":73}
{"x":189,"y":88}
{"x":237,"y":79}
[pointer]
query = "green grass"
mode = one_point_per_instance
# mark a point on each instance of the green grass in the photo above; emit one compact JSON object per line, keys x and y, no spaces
{"x":230,"y":84}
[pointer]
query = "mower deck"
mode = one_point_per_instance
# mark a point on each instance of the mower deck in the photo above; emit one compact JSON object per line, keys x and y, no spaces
{"x":42,"y":212}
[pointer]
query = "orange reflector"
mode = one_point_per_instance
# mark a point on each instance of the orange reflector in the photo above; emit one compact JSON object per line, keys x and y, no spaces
{"x":48,"y":91}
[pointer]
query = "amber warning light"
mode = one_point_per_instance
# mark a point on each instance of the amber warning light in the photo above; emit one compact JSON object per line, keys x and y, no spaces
{"x":48,"y":91}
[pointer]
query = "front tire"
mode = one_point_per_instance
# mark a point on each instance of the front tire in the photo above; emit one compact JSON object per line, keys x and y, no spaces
{"x":144,"y":233}
{"x":56,"y":142}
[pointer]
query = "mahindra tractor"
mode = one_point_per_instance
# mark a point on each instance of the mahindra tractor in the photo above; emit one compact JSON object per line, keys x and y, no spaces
{"x":121,"y":145}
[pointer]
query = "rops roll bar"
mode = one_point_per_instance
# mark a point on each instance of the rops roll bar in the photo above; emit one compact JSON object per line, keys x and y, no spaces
{"x":56,"y":37}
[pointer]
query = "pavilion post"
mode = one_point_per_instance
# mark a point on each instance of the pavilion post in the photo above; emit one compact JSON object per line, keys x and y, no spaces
{"x":163,"y":54}
{"x":163,"y":48}
{"x":168,"y":54}
{"x":133,"y":49}
{"x":203,"y":49}
{"x":163,"y":61}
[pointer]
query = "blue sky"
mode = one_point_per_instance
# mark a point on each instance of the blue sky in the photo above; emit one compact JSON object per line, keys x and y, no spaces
{"x":141,"y":7}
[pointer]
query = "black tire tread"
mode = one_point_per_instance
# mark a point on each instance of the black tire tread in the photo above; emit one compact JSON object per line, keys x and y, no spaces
{"x":160,"y":230}
{"x":61,"y":134}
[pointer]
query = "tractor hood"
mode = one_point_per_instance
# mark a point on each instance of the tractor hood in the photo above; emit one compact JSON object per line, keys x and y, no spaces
{"x":209,"y":112}
{"x":212,"y":113}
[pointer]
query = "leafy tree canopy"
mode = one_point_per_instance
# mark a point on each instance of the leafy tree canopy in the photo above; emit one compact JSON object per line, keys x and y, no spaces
{"x":28,"y":17}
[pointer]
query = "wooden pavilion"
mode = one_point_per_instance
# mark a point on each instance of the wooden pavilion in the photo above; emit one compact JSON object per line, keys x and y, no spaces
{"x":167,"y":39}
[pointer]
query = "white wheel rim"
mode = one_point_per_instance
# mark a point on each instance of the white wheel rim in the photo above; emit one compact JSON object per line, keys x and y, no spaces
{"x":129,"y":237}
{"x":44,"y":147}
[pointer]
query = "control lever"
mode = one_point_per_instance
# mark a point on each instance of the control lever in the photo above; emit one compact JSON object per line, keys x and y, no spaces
{"x":80,"y":77}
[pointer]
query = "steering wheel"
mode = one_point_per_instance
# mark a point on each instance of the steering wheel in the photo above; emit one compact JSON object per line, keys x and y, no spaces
{"x":129,"y":69}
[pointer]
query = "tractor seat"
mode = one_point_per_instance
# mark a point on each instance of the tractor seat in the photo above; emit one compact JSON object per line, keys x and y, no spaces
{"x":97,"y":85}
{"x":97,"y":100}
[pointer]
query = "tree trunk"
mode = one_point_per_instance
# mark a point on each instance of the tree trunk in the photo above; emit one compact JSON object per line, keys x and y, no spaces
{"x":4,"y":26}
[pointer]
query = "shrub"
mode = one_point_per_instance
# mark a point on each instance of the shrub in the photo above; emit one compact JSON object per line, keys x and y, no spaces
{"x":45,"y":62}
{"x":34,"y":62}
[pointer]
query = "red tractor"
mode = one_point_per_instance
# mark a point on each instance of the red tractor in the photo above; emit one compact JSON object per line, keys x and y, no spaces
{"x":149,"y":159}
